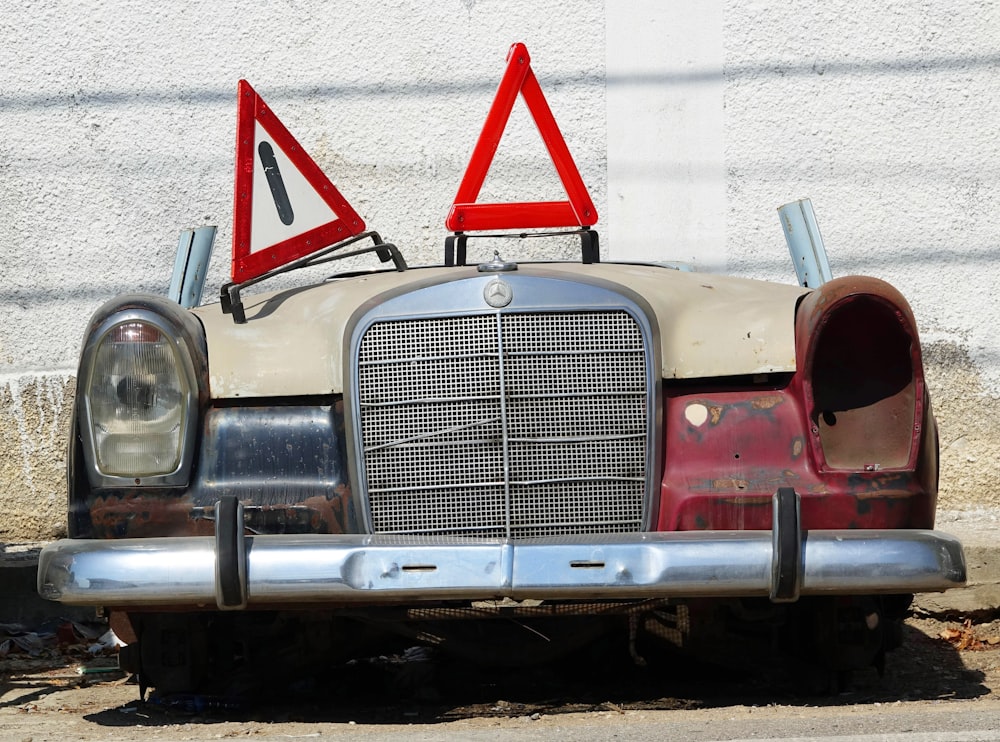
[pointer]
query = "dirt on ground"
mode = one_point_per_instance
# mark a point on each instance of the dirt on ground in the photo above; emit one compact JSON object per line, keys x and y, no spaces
{"x":70,"y":687}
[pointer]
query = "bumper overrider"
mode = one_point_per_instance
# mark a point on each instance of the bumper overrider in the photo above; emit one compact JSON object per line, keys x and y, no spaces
{"x":233,"y":571}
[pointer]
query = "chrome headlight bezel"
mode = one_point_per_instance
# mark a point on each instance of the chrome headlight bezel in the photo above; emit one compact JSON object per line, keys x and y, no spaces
{"x":171,"y":332}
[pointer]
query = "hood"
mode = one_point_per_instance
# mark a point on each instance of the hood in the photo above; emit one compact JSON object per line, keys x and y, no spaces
{"x":292,"y":343}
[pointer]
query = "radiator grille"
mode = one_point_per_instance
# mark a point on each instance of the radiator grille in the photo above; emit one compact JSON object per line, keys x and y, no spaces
{"x":505,"y":425}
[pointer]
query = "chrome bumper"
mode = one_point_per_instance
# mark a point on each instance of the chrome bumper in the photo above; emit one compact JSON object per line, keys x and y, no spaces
{"x":268,"y":571}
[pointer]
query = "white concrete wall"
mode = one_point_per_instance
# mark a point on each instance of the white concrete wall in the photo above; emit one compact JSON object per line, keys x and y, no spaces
{"x":690,"y":121}
{"x":666,"y":138}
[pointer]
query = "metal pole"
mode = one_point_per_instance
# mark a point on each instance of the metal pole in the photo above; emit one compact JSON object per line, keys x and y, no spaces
{"x":194,"y":251}
{"x":798,"y":221}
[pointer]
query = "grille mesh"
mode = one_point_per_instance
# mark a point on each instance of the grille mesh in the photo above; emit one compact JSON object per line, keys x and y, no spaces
{"x":517,"y":425}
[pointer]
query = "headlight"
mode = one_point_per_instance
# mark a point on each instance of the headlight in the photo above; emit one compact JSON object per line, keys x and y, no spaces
{"x":863,"y":375}
{"x":139,"y":400}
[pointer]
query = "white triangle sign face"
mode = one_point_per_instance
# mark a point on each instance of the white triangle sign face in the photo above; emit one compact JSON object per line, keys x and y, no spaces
{"x":284,"y":206}
{"x":284,"y":203}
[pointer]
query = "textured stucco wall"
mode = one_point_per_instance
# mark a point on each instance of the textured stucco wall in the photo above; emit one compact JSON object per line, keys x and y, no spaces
{"x":666,"y":132}
{"x":35,"y":414}
{"x":690,"y":121}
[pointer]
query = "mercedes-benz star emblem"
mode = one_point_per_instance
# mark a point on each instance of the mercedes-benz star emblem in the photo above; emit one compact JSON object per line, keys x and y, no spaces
{"x":498,"y":293}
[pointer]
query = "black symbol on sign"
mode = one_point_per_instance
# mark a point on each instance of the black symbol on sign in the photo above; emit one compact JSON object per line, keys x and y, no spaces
{"x":277,"y":185}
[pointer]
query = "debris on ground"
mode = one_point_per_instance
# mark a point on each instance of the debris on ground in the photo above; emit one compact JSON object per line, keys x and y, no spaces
{"x":966,"y":639}
{"x":90,"y":647}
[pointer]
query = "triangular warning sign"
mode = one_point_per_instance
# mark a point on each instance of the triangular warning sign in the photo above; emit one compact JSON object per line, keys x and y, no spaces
{"x":466,"y":215}
{"x":284,"y":206}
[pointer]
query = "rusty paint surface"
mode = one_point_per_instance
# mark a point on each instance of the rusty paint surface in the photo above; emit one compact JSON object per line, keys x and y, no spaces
{"x":721,"y":475}
{"x":285,"y":463}
{"x":142,"y":515}
{"x":722,"y":467}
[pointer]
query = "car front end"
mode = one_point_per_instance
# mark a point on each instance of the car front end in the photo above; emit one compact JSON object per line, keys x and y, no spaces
{"x":559,"y":439}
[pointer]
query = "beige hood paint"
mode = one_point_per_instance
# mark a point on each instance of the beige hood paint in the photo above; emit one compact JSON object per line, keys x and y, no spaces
{"x":292,"y":342}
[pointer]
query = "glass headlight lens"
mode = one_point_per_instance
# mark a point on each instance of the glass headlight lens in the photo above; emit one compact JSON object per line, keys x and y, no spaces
{"x":139,"y":399}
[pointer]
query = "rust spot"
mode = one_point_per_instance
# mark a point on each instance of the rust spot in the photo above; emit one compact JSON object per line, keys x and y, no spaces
{"x":798,"y":445}
{"x":330,"y":512}
{"x":748,"y":502}
{"x":715,"y":414}
{"x":138,"y":515}
{"x":730,"y":484}
{"x":766,"y":402}
{"x":134,"y":515}
{"x":887,"y":495}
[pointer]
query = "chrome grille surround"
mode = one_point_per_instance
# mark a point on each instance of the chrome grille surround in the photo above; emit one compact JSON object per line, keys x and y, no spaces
{"x":534,"y":420}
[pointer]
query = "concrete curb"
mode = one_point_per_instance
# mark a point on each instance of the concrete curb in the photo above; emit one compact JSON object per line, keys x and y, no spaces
{"x":977,"y":530}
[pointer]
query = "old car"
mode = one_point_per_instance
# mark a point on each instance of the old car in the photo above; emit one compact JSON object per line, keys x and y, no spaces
{"x":582,"y":446}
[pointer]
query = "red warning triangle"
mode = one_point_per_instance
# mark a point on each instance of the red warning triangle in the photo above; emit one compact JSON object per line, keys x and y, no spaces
{"x":284,"y":206}
{"x":466,"y":215}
